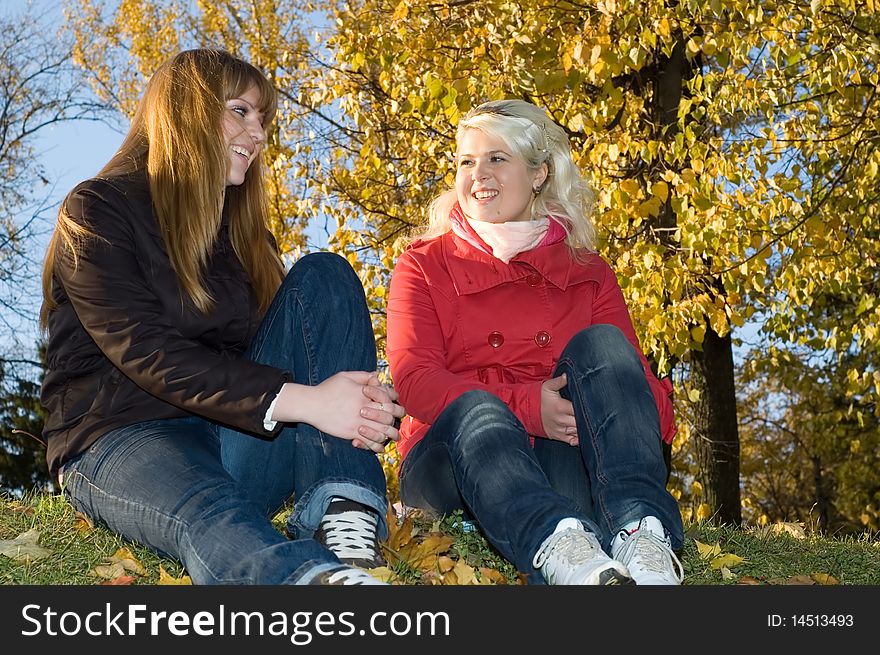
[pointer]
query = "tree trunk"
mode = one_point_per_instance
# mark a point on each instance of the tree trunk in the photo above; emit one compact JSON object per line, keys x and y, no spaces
{"x":822,"y":500}
{"x":715,"y":428}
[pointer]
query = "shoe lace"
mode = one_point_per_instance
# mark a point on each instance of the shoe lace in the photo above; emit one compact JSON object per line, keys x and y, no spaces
{"x":573,"y":545}
{"x":352,"y":576}
{"x":652,"y":553}
{"x":351,"y":533}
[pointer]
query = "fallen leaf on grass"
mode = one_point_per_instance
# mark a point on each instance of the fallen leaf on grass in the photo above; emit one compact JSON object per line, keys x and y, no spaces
{"x":799,"y":579}
{"x":82,"y":523}
{"x":27,"y":510}
{"x":748,"y":580}
{"x":465,"y":574}
{"x":445,"y":563}
{"x":717,"y":559}
{"x":706,"y":551}
{"x":493,"y":575}
{"x":166,"y":578}
{"x":24,"y":547}
{"x":796,"y":530}
{"x":824,"y":578}
{"x":121,"y":561}
{"x":726,"y":561}
{"x":120,"y":580}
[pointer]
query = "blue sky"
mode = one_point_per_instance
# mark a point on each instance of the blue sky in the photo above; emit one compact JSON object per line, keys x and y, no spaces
{"x":68,"y":152}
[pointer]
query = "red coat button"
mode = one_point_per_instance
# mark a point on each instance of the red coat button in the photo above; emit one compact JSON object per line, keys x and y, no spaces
{"x":534,"y":280}
{"x":542,"y":339}
{"x":495,"y":339}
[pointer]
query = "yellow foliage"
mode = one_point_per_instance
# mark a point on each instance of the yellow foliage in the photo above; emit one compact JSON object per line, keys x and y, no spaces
{"x":734,"y":199}
{"x":166,"y":578}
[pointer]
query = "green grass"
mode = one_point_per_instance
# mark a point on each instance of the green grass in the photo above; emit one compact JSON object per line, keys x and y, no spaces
{"x":768,"y":556}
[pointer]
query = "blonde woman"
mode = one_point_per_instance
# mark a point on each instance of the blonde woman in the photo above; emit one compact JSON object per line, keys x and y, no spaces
{"x":192,"y":386}
{"x":531,"y":405}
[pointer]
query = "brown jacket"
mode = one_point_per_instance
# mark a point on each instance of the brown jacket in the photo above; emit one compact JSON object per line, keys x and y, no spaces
{"x":126,"y":345}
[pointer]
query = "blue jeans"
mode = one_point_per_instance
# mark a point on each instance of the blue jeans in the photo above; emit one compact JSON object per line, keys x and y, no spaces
{"x":477,"y":457}
{"x":205,"y":494}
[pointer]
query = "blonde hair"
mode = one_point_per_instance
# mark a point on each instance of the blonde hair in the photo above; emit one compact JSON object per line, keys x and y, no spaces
{"x":536,"y":139}
{"x":176,"y":136}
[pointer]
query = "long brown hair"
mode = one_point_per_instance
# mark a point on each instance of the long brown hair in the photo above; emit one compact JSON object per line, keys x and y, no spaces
{"x":176,"y":135}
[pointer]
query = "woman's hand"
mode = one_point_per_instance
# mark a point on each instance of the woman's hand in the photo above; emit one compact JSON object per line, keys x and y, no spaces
{"x":384,"y":408}
{"x":351,"y":405}
{"x":557,"y":413}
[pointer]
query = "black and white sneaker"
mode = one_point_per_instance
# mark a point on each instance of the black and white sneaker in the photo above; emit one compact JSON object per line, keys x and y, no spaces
{"x":345,"y":575}
{"x":350,"y":530}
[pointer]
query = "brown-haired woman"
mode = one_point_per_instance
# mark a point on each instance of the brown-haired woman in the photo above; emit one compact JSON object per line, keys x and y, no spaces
{"x":194,"y":387}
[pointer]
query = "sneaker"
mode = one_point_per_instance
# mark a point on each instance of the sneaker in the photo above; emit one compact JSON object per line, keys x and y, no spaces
{"x":350,"y":530}
{"x":647,"y":552}
{"x":574,"y":557}
{"x":345,"y":575}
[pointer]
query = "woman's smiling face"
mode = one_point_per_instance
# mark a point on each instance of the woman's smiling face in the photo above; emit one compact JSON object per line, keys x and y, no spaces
{"x":493,"y":184}
{"x":244,"y":134}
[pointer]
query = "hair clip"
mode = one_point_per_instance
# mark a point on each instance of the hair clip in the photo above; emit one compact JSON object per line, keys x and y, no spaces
{"x":546,"y":147}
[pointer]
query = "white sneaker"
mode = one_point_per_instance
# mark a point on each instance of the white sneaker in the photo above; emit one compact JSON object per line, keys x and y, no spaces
{"x":647,"y":552}
{"x":574,"y":557}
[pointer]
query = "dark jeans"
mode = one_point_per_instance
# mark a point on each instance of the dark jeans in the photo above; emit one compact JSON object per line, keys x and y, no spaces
{"x":477,"y":457}
{"x":205,"y":494}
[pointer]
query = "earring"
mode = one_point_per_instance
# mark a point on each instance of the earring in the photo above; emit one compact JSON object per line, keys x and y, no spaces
{"x":536,"y":190}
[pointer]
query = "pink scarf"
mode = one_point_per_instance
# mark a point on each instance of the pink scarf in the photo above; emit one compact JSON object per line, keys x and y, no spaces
{"x":506,"y":240}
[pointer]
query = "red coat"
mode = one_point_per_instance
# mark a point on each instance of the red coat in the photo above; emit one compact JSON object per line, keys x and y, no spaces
{"x":460,"y":319}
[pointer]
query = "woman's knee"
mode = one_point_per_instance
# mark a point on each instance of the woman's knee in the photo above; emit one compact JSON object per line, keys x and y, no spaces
{"x":478,"y":401}
{"x":479,"y":417}
{"x":324,"y":265}
{"x":327,"y":277}
{"x":598,"y":343}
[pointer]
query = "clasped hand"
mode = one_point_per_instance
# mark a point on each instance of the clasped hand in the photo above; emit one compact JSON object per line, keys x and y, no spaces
{"x":557,"y":413}
{"x":351,"y":405}
{"x":359,"y":408}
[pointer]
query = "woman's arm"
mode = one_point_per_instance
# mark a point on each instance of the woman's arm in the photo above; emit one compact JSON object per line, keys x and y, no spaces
{"x":121,"y":311}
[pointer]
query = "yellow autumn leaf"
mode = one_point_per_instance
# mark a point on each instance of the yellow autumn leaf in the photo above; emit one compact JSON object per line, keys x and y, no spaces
{"x":382,"y":573}
{"x":166,"y":578}
{"x":492,"y":576}
{"x":795,"y":530}
{"x":445,"y":563}
{"x":704,"y":512}
{"x":706,"y":551}
{"x":727,"y":560}
{"x":660,"y":190}
{"x":82,"y":523}
{"x":824,"y":579}
{"x":465,"y":573}
{"x":129,"y":562}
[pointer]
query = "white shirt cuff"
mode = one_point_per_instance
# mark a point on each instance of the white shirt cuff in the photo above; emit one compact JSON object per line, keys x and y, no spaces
{"x":268,"y":423}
